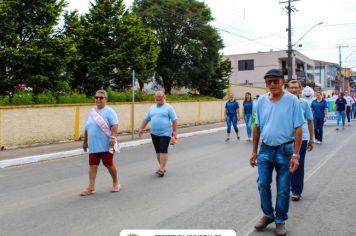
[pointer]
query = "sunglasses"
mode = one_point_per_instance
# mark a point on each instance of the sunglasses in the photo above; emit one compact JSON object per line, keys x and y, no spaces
{"x":275,"y":81}
{"x":101,"y":98}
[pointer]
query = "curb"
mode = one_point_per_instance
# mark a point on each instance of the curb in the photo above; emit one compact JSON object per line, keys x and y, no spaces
{"x":77,"y":152}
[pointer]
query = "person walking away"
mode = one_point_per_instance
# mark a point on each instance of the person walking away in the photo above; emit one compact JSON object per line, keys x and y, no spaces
{"x":100,"y":139}
{"x":232,"y":116}
{"x":163,"y":120}
{"x":247,"y":114}
{"x":297,"y":183}
{"x":341,"y":106}
{"x":319,"y":108}
{"x":279,"y":121}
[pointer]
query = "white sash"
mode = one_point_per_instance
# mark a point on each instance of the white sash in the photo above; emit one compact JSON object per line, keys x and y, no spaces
{"x":99,"y":120}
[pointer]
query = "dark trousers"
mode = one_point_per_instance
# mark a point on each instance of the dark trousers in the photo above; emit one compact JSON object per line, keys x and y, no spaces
{"x":297,"y":182}
{"x":348,"y":110}
{"x":318,"y":128}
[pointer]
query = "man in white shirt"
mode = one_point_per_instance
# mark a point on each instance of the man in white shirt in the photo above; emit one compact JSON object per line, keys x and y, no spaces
{"x":349,"y":101}
{"x":335,"y":96}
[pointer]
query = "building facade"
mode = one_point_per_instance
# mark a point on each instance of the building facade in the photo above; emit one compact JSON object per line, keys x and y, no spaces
{"x":327,"y":74}
{"x":249,"y":69}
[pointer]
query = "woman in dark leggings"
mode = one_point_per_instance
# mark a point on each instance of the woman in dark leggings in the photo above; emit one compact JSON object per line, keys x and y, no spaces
{"x":163,"y":120}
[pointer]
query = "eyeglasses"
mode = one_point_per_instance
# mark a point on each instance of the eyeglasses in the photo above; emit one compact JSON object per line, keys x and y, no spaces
{"x":275,"y":81}
{"x":293,"y":87}
{"x":101,"y":98}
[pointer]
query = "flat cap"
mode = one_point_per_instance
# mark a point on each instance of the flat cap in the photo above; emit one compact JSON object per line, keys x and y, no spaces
{"x":274,"y":73}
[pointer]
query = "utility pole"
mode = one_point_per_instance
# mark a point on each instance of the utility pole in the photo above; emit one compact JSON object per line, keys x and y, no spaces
{"x":290,"y":46}
{"x":340,"y":63}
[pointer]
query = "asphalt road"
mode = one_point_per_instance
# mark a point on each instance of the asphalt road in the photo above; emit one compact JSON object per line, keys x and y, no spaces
{"x":209,"y":185}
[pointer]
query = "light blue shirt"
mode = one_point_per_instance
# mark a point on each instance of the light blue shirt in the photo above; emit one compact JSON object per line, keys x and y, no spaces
{"x":98,"y":141}
{"x":307,"y":116}
{"x":277,"y":121}
{"x":161,"y":117}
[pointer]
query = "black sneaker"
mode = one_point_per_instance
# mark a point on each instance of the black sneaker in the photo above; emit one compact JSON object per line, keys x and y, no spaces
{"x":227,"y":140}
{"x":160,"y":173}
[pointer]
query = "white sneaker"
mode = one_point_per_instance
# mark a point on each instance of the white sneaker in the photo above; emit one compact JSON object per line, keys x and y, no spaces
{"x":317,"y":141}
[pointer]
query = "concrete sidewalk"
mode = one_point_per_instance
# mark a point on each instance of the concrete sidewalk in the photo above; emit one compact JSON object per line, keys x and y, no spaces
{"x":26,"y":155}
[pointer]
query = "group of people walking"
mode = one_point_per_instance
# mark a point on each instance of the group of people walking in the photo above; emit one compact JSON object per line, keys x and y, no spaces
{"x":232,"y":115}
{"x":101,"y":142}
{"x":286,"y":125}
{"x":280,"y":124}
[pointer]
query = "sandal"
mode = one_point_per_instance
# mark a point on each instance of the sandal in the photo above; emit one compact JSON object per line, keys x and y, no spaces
{"x":116,"y":188}
{"x":87,"y":192}
{"x":160,"y":173}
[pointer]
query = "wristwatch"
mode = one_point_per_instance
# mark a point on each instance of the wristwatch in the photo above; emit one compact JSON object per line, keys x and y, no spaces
{"x":295,"y":155}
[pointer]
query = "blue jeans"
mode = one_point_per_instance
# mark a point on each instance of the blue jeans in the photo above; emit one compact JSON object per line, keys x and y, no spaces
{"x":340,"y":115}
{"x":231,"y":119}
{"x":318,"y":128}
{"x":248,"y":121}
{"x":354,"y":110}
{"x":297,"y":182}
{"x":269,"y":158}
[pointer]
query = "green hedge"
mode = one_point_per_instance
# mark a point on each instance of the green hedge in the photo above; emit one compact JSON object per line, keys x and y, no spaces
{"x":47,"y":97}
{"x":74,"y":98}
{"x":22,"y":98}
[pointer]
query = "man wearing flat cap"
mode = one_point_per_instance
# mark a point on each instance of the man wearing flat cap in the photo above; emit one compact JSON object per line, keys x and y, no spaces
{"x":279,"y":120}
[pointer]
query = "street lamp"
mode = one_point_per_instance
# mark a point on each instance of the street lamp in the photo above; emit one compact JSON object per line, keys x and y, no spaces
{"x":290,"y":46}
{"x":348,"y":56}
{"x":310,"y":29}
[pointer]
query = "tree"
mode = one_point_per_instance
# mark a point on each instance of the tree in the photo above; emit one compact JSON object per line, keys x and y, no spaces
{"x":30,"y":51}
{"x":189,"y":45}
{"x":111,"y":43}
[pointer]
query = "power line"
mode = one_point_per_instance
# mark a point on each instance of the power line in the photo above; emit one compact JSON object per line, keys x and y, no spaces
{"x":219,"y":28}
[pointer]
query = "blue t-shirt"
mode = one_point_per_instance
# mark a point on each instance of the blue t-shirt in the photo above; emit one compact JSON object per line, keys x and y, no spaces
{"x":98,"y":141}
{"x":231,"y":107}
{"x":318,"y":108}
{"x":248,"y":107}
{"x":277,"y":121}
{"x":161,"y":117}
{"x":307,"y":116}
{"x":340,"y":104}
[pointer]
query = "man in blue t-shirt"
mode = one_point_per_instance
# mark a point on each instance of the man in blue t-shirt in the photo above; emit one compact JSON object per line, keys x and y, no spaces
{"x":319,"y":108}
{"x":163,"y":120}
{"x":279,"y":121}
{"x":297,"y":183}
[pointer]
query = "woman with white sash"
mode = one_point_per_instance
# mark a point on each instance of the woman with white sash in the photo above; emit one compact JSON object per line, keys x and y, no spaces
{"x":100,"y":140}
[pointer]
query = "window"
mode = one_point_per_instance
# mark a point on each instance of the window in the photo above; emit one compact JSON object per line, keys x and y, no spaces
{"x":246,"y":65}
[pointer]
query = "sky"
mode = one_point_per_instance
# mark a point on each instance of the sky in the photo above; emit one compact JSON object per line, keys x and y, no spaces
{"x":249,"y":26}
